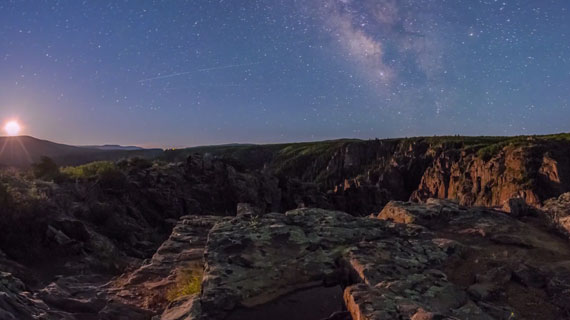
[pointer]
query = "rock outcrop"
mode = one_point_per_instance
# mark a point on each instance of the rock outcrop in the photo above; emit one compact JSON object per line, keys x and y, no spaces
{"x":137,"y":295}
{"x":411,"y":261}
{"x":66,"y":298}
{"x":148,"y":286}
{"x":16,"y":303}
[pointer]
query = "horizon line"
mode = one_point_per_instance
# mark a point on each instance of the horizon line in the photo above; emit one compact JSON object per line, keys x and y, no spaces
{"x":153,"y":146}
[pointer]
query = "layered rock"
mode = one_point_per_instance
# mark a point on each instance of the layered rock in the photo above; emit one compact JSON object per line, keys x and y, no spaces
{"x":362,"y":176}
{"x":439,"y":260}
{"x":410,"y":261}
{"x":533,"y":173}
{"x":506,"y":266}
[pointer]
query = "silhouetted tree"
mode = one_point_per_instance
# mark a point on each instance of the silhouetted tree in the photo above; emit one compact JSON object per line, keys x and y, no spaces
{"x":45,"y":169}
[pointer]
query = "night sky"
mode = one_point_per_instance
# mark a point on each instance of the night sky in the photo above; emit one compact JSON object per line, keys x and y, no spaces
{"x":183,"y":73}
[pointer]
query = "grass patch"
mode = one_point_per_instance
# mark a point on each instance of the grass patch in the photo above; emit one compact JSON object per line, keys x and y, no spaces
{"x":188,"y":282}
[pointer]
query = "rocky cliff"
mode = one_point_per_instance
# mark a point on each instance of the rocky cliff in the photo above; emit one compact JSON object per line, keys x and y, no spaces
{"x":360,"y":177}
{"x":168,"y":239}
{"x":534,"y":172}
{"x":533,"y":169}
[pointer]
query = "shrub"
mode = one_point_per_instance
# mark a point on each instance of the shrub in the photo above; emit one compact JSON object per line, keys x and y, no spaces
{"x":5,"y":197}
{"x":488,"y":152}
{"x":112,"y":178}
{"x":89,"y":171}
{"x":45,"y":169}
{"x":188,"y":282}
{"x":106,"y":172}
{"x":135,"y":163}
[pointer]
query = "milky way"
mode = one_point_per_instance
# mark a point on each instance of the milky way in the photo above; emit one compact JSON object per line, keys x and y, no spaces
{"x":174,"y":73}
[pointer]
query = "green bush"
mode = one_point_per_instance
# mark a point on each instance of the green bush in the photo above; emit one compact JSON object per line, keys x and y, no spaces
{"x":105,"y":172}
{"x":489,"y":152}
{"x":89,"y":171}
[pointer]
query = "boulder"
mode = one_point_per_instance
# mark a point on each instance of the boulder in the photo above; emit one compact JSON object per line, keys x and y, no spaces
{"x":557,"y":211}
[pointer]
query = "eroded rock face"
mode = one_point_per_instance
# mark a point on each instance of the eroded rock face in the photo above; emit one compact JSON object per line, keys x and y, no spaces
{"x":361,"y":177}
{"x":532,"y":173}
{"x":440,"y":260}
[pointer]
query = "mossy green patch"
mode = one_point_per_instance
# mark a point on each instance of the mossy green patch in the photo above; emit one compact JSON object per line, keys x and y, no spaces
{"x":188,"y":282}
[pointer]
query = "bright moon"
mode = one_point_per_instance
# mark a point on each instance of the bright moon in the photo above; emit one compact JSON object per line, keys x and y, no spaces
{"x":12,"y":128}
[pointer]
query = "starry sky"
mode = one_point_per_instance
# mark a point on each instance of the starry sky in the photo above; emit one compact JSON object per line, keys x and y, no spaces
{"x":197,"y":72}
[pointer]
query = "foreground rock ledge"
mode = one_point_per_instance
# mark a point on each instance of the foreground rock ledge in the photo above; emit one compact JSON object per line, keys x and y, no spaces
{"x":452,"y":262}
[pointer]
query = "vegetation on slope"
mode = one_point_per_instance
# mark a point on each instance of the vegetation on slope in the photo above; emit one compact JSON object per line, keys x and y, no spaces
{"x":294,"y":158}
{"x":488,"y":151}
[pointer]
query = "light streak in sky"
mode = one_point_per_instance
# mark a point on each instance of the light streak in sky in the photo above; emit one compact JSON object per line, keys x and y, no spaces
{"x":199,"y":70}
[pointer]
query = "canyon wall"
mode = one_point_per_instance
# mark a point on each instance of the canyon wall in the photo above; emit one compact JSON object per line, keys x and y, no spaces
{"x":370,"y":173}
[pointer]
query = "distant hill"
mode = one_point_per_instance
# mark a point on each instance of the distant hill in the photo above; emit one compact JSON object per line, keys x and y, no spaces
{"x":114,"y":147}
{"x":22,"y":151}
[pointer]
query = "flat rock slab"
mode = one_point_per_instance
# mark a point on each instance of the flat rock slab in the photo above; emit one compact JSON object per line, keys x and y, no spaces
{"x":414,"y":261}
{"x":250,"y":262}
